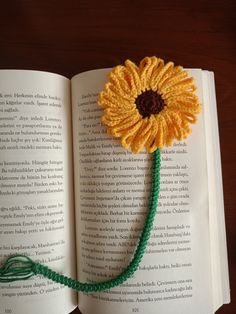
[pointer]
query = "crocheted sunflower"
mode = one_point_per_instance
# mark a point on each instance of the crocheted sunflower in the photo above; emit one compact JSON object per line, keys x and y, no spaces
{"x":149,"y":105}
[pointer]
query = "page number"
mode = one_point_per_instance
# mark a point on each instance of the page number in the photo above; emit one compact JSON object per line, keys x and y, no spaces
{"x":135,"y":310}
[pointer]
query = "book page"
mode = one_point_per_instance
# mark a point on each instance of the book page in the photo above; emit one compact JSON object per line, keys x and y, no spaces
{"x":36,"y":187}
{"x":112,"y":187}
{"x":220,"y":276}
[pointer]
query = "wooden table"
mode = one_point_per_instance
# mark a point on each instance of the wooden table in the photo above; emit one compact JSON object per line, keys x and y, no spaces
{"x":69,"y":37}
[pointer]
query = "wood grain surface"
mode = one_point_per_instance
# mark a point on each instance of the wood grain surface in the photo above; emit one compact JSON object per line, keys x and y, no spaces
{"x":69,"y":37}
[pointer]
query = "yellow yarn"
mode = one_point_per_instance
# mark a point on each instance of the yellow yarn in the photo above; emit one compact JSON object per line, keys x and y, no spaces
{"x":149,"y":105}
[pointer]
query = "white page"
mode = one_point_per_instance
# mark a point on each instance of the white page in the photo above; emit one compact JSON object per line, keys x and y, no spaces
{"x":220,"y":276}
{"x":36,"y":194}
{"x":219,"y":195}
{"x":174,"y":276}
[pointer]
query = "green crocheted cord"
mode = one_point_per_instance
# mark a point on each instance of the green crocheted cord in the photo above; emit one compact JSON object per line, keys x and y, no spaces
{"x":20,"y":267}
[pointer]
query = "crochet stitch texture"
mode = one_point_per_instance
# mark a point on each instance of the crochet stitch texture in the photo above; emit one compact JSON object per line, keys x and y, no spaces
{"x":149,"y":105}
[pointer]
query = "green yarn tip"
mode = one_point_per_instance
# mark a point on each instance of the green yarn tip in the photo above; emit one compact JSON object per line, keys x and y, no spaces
{"x":17,"y":267}
{"x":21,"y":267}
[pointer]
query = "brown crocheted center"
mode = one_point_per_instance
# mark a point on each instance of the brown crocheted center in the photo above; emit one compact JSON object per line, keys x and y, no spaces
{"x":149,"y":102}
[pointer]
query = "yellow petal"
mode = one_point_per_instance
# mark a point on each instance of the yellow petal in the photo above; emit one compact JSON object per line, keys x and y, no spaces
{"x":183,"y":86}
{"x":138,"y":145}
{"x":120,"y":112}
{"x":167,"y":68}
{"x":150,"y":144}
{"x":189,"y":117}
{"x":116,"y":90}
{"x":108,"y":99}
{"x":134,"y":76}
{"x":130,"y":134}
{"x":171,"y":80}
{"x":147,"y":66}
{"x":126,"y":124}
{"x":118,"y":120}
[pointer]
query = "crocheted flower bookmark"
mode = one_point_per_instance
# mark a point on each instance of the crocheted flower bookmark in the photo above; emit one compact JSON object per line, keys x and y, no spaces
{"x":149,"y":106}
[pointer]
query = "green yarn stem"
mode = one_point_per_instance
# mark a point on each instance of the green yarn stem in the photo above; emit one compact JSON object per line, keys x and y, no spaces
{"x":20,"y":267}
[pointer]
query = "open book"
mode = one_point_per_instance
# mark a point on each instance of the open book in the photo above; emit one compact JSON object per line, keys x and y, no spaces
{"x":72,"y":198}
